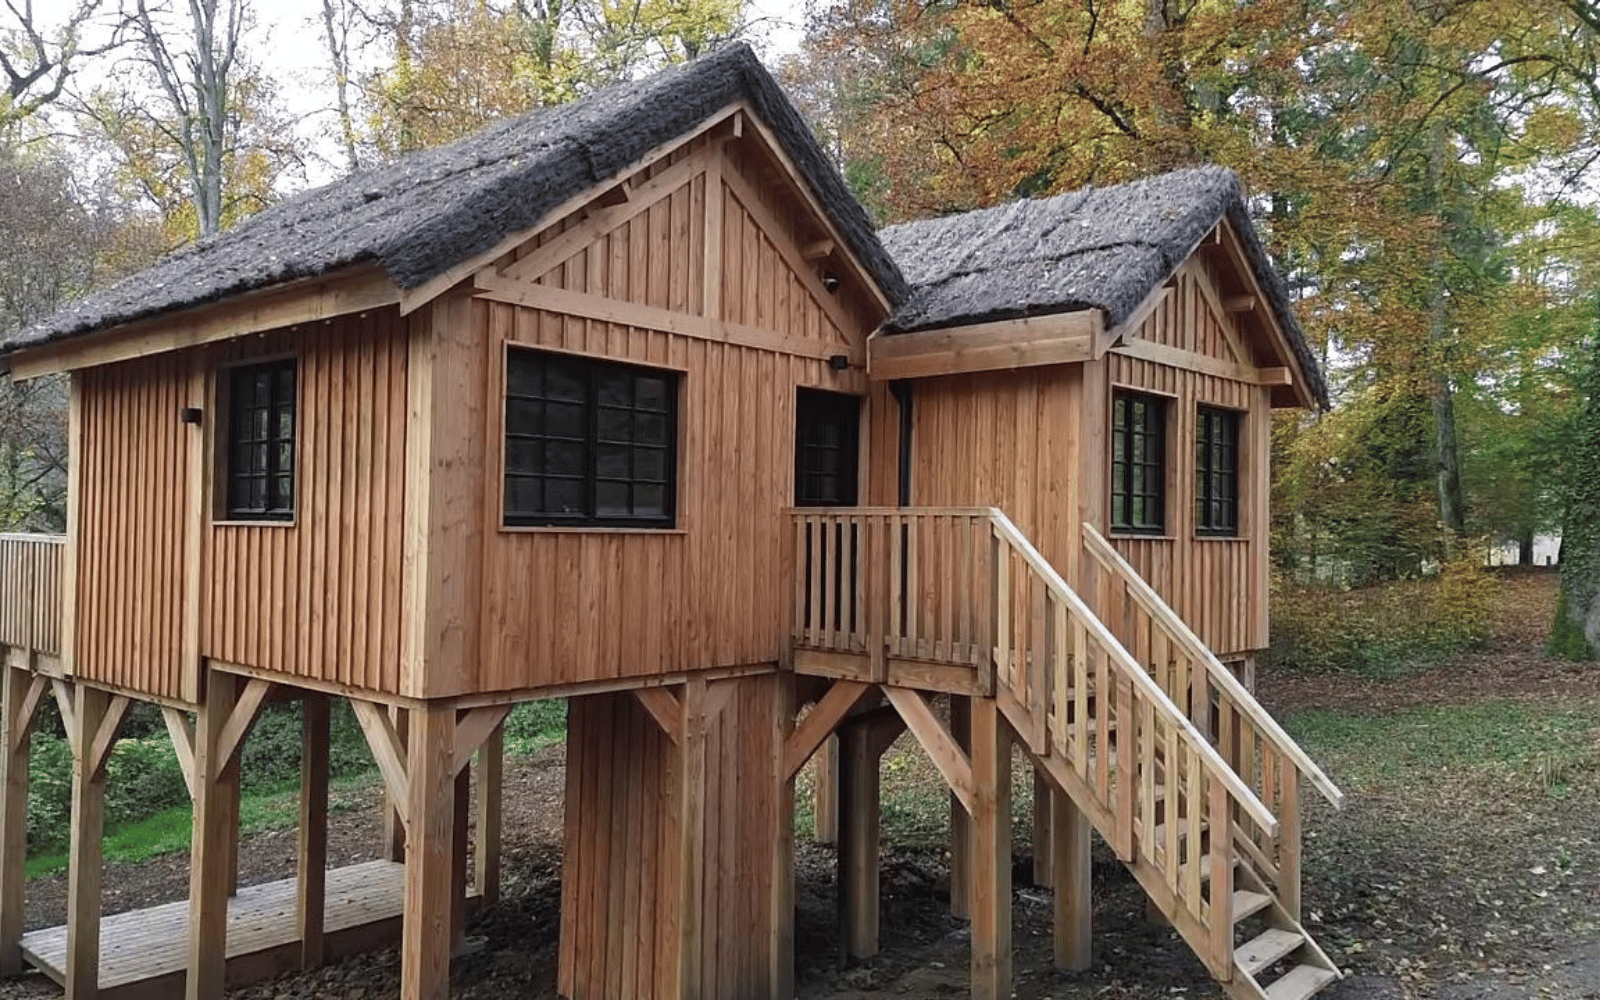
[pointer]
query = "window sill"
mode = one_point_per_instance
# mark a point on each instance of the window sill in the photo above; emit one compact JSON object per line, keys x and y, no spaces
{"x":1139,"y":536}
{"x":1220,"y":538}
{"x":254,"y":524}
{"x":556,"y":529}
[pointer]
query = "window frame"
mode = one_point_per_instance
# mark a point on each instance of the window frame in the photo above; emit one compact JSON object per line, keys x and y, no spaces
{"x":591,"y":366}
{"x":1155,"y":493}
{"x":228,"y":386}
{"x":1208,"y":420}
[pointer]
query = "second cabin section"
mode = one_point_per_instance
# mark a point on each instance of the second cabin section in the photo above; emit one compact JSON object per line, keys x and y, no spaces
{"x":565,"y":467}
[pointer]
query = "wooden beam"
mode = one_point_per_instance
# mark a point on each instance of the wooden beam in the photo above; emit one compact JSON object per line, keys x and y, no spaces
{"x":605,"y":218}
{"x":936,"y":742}
{"x":664,"y":709}
{"x":1071,"y":866}
{"x":18,"y":721}
{"x":1233,"y":248}
{"x":315,"y":299}
{"x":1239,"y":303}
{"x":486,"y":855}
{"x":1130,"y":324}
{"x":822,"y":720}
{"x":961,"y":813}
{"x":312,"y":854}
{"x":430,"y":805}
{"x":824,"y":790}
{"x":1274,"y":376}
{"x":691,"y":860}
{"x":394,"y":825}
{"x":711,"y":247}
{"x":243,"y":717}
{"x":105,"y":734}
{"x":1177,"y":357}
{"x":818,"y":250}
{"x":473,"y":728}
{"x":860,"y":821}
{"x":1061,"y":338}
{"x":389,"y":753}
{"x":780,"y":911}
{"x":991,"y":853}
{"x":85,"y":850}
{"x":182,"y":733}
{"x":210,"y":883}
{"x":67,"y":706}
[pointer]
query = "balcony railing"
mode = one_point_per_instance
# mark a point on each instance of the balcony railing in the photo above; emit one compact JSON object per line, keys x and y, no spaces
{"x":31,"y":586}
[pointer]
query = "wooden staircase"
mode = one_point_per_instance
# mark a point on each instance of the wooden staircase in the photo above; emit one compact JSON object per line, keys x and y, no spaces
{"x":1183,"y":773}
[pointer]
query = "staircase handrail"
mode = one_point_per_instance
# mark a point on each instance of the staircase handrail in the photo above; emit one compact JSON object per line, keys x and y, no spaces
{"x":1140,"y":679}
{"x":1175,"y":627}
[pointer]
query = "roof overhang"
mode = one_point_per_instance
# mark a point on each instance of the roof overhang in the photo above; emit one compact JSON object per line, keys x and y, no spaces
{"x":354,"y":290}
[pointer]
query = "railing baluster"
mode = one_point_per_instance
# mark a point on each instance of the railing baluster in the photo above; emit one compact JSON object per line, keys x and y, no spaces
{"x":1175,"y":772}
{"x":914,"y":602}
{"x":1060,"y":673}
{"x":965,"y":592}
{"x":1002,"y":603}
{"x":897,"y":584}
{"x":815,"y":618}
{"x":1147,"y":782}
{"x":1194,"y":807}
{"x":1080,"y":697}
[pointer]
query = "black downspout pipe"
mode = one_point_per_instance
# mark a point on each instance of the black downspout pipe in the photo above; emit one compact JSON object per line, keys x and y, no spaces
{"x":901,"y":389}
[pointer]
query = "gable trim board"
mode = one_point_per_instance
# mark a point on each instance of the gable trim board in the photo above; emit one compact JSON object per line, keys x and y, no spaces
{"x":1060,"y":338}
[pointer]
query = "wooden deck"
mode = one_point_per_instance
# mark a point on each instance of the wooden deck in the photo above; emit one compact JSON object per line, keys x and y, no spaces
{"x":144,"y":953}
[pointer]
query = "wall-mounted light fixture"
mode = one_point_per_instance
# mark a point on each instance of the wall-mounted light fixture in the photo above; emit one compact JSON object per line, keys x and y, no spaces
{"x":839,"y":362}
{"x":191,"y":415}
{"x":830,"y":281}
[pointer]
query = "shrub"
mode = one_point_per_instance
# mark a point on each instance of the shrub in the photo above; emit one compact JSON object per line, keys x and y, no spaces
{"x":1380,"y":630}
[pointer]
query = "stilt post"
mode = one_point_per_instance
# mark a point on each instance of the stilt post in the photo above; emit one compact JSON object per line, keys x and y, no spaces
{"x":312,"y":874}
{"x":14,"y":741}
{"x":960,"y":822}
{"x":781,"y":914}
{"x":691,"y":838}
{"x":859,"y":828}
{"x":210,"y":860}
{"x":1074,"y":898}
{"x":1043,"y":844}
{"x":991,"y":853}
{"x":825,"y":792}
{"x":426,"y":940}
{"x":486,"y":855}
{"x":461,"y":817}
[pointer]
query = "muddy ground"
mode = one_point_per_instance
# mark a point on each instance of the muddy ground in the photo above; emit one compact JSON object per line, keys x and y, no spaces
{"x":1438,"y":879}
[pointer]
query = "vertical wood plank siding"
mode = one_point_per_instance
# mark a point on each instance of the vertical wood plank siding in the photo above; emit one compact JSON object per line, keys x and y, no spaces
{"x":32,"y":570}
{"x":320,"y":596}
{"x":621,"y":878}
{"x":133,"y":525}
{"x":562,"y":607}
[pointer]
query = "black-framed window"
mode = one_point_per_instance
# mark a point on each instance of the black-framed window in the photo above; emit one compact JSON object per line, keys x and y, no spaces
{"x":826,"y":448}
{"x":589,"y":442}
{"x":1138,"y":463}
{"x":260,"y":441}
{"x":1216,"y":472}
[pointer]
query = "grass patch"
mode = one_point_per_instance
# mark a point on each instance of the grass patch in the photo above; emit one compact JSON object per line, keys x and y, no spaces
{"x":1511,"y":745}
{"x":170,"y":830}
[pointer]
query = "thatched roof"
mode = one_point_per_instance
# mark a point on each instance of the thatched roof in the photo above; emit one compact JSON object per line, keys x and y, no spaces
{"x":432,"y":210}
{"x":1096,"y":248}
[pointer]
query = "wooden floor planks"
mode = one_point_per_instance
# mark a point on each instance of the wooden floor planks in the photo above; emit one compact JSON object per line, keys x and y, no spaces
{"x":141,"y":947}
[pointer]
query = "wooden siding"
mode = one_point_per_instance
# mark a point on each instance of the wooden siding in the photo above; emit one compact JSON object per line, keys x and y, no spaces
{"x":581,"y":605}
{"x":32,"y":568}
{"x":132,"y":525}
{"x":621,"y":878}
{"x":320,"y":596}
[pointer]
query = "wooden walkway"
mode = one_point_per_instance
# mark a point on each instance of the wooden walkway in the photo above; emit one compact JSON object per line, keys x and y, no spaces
{"x":144,"y":953}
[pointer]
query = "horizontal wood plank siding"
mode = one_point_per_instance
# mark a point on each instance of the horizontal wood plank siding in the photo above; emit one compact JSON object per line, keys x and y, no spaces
{"x":133,"y":525}
{"x":320,"y":597}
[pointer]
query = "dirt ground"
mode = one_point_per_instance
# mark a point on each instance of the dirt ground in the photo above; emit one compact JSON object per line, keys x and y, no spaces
{"x":1452,"y":886}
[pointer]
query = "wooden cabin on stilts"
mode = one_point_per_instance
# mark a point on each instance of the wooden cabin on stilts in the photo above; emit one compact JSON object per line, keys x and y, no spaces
{"x":626,"y":403}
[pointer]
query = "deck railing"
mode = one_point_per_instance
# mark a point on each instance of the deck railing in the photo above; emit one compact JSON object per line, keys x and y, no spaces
{"x":965,"y":586}
{"x":1248,"y":737}
{"x":31,"y":580}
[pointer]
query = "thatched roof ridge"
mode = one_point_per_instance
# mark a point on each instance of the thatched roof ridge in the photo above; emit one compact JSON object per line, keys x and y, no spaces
{"x":429,"y":211}
{"x":1096,"y":248}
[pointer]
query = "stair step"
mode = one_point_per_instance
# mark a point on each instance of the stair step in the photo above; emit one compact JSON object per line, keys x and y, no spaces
{"x":1301,"y":982}
{"x":1267,"y":948}
{"x":1205,"y":867}
{"x":1246,"y":902}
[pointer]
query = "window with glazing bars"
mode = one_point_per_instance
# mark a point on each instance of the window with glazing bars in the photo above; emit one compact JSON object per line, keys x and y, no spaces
{"x":261,"y":429}
{"x":1216,"y":472}
{"x":589,"y":442}
{"x":1138,"y":463}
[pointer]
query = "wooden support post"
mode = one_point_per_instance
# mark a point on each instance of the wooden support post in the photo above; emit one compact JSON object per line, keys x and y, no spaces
{"x":92,"y":718}
{"x":461,"y":817}
{"x":486,"y":854}
{"x":1043,"y":844}
{"x":430,"y":807}
{"x":960,"y":821}
{"x":859,"y":828}
{"x":210,"y":864}
{"x":1289,"y":839}
{"x":1074,"y":897}
{"x":780,"y":916}
{"x":312,"y":864}
{"x":991,"y":853}
{"x":691,"y":859}
{"x":233,"y":840}
{"x":825,"y":792}
{"x":394,"y":829}
{"x":14,"y":739}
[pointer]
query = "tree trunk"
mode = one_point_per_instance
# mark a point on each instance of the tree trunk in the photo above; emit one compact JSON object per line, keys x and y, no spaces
{"x":1576,"y":631}
{"x":1525,"y":547}
{"x":1447,"y":459}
